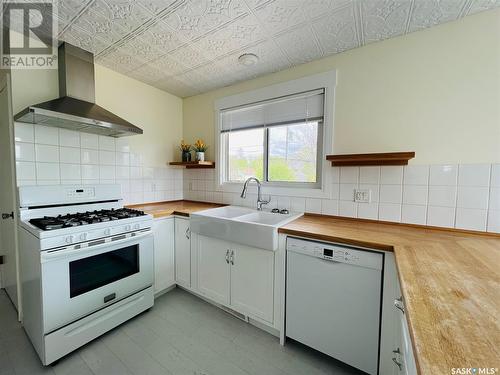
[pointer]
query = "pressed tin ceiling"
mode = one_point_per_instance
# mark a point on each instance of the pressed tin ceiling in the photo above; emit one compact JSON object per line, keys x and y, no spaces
{"x":187,"y":47}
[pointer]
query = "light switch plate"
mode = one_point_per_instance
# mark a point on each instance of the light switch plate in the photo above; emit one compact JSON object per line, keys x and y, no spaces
{"x":362,"y":195}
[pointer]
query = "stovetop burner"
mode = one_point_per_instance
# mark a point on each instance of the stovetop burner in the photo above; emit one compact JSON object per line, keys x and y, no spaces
{"x":83,"y":218}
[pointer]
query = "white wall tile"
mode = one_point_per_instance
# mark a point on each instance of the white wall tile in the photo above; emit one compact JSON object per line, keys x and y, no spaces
{"x":493,"y":221}
{"x":389,"y":212}
{"x":25,"y":151}
{"x":444,"y":196}
{"x":472,"y":197}
{"x":330,"y":207}
{"x":136,"y":186}
{"x":443,"y":175}
{"x":122,"y":145}
{"x":69,"y":138}
{"x":472,"y":219}
{"x":90,"y":172}
{"x":107,"y":157}
{"x":374,"y":189}
{"x":46,"y":135}
{"x":107,"y":172}
{"x":391,"y":194}
{"x":347,"y":192}
{"x":122,"y":158}
{"x":348,"y":209}
{"x":441,"y":216}
{"x":495,"y":175}
{"x":122,"y":172}
{"x":349,"y":175}
{"x":69,"y":155}
{"x":284,"y":203}
{"x":107,"y":143}
{"x":136,"y":160}
{"x":47,"y":171}
{"x":474,"y":175}
{"x":415,"y":194}
{"x":70,"y":172}
{"x":368,"y":210}
{"x":416,"y":175}
{"x":147,"y":172}
{"x":391,"y":175}
{"x":149,"y":196}
{"x":313,"y":205}
{"x":26,"y":182}
{"x":48,"y":182}
{"x":369,"y":175}
{"x":46,"y":153}
{"x":90,"y":156}
{"x":413,"y":214}
{"x":25,"y":170}
{"x":89,"y":141}
{"x":334,"y":175}
{"x":135,"y":172}
{"x":494,"y":201}
{"x":71,"y":182}
{"x":298,"y":204}
{"x":335,"y":191}
{"x":24,"y":132}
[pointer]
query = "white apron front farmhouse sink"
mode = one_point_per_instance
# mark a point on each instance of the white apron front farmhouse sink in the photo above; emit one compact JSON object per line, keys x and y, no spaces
{"x":241,"y":225}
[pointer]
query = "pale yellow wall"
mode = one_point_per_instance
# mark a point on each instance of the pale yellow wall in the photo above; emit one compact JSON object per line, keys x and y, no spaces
{"x":436,"y":92}
{"x":157,"y":112}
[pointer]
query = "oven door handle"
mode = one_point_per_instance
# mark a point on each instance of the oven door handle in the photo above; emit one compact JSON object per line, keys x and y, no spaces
{"x":55,"y":254}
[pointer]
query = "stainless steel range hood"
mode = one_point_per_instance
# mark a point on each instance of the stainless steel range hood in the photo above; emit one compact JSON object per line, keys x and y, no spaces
{"x":75,"y":109}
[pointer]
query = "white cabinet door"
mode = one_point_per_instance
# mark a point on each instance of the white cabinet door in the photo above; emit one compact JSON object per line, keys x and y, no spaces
{"x":213,"y":268}
{"x":182,"y":252}
{"x":163,"y":230}
{"x":252,"y":281}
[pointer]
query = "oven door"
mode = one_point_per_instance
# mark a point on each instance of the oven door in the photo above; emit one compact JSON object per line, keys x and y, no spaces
{"x":78,"y":282}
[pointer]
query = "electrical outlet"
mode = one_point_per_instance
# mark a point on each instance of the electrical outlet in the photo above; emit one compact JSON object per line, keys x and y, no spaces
{"x":362,"y":195}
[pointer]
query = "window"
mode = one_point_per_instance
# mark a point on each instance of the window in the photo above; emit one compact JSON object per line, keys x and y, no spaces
{"x":279,"y":141}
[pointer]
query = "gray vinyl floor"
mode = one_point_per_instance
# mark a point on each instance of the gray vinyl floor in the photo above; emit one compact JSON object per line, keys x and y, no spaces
{"x":181,"y":335}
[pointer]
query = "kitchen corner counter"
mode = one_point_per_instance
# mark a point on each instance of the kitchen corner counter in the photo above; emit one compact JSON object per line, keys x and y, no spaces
{"x":182,"y":208}
{"x":450,"y":283}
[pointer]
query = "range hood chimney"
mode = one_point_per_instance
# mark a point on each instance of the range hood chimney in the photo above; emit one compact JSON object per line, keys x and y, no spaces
{"x":75,"y":108}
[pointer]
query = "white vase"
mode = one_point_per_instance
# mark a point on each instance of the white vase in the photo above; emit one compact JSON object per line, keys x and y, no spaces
{"x":200,"y":156}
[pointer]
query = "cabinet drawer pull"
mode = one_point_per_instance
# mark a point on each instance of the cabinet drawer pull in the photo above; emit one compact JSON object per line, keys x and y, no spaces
{"x":399,"y":364}
{"x":227,"y":256}
{"x":188,"y":233}
{"x":232,"y":257}
{"x":398,"y":303}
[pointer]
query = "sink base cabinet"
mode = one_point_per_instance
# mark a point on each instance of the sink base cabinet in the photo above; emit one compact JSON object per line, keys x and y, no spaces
{"x":236,"y":276}
{"x":163,"y":230}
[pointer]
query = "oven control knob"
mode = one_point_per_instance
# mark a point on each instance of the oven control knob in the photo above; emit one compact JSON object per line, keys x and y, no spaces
{"x":137,"y":226}
{"x":127,"y":227}
{"x":69,"y":239}
{"x":83,"y":236}
{"x":107,"y":232}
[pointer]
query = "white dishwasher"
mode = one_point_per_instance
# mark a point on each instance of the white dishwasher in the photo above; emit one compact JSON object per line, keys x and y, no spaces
{"x":333,"y":300}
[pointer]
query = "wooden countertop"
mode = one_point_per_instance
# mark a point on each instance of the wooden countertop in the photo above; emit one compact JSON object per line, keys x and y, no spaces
{"x":183,"y":208}
{"x":450,"y":283}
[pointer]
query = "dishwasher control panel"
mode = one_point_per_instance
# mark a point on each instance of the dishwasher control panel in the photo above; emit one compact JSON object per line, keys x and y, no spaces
{"x":336,"y":253}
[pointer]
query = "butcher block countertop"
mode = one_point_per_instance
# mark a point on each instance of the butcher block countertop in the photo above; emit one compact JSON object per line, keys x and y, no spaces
{"x":450,"y":283}
{"x":183,"y":208}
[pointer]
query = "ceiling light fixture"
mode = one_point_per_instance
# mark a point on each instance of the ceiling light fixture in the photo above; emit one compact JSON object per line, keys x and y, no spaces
{"x":248,"y":59}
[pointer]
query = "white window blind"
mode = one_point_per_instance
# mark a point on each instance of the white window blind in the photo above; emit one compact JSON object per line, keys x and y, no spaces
{"x":301,"y":107}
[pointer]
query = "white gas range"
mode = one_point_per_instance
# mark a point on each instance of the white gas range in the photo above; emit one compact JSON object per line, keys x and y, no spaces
{"x":85,"y":264}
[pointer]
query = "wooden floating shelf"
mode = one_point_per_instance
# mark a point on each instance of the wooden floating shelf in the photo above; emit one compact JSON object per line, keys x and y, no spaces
{"x":194,"y":164}
{"x":386,"y":158}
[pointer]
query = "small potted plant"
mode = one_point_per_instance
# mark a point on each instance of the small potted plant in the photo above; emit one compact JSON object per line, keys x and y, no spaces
{"x":200,"y":147}
{"x":186,"y":151}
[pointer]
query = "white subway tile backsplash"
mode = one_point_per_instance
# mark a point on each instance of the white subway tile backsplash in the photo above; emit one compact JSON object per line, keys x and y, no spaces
{"x":69,"y":138}
{"x":415,"y":194}
{"x":413,"y":214}
{"x":349,"y":175}
{"x":391,"y":175}
{"x":374,"y":191}
{"x":443,"y":175}
{"x":330,"y":207}
{"x":441,"y":216}
{"x":298,"y":204}
{"x":474,"y":175}
{"x":347,"y":192}
{"x":90,"y":172}
{"x":335,"y":175}
{"x":136,"y":160}
{"x":369,"y":175}
{"x":494,"y":221}
{"x":122,"y":158}
{"x":391,"y":194}
{"x":313,"y":205}
{"x":471,"y":219}
{"x":148,"y":172}
{"x":69,"y":155}
{"x":444,"y":196}
{"x":135,"y":172}
{"x":24,"y":132}
{"x":46,"y":153}
{"x":389,"y":212}
{"x":26,"y":182}
{"x":89,"y":141}
{"x":348,"y":209}
{"x":136,"y":186}
{"x":25,"y":151}
{"x":107,"y":143}
{"x":494,"y":201}
{"x":25,"y":170}
{"x":47,"y":171}
{"x":472,"y":197}
{"x":335,"y":191}
{"x":89,"y":156}
{"x":46,"y":135}
{"x":122,"y":145}
{"x":107,"y":172}
{"x":122,"y":172}
{"x":107,"y":157}
{"x":368,"y":210}
{"x":70,"y":172}
{"x":416,"y":175}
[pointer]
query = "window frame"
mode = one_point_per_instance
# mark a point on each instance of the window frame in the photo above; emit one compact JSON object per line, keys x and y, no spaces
{"x":320,"y":189}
